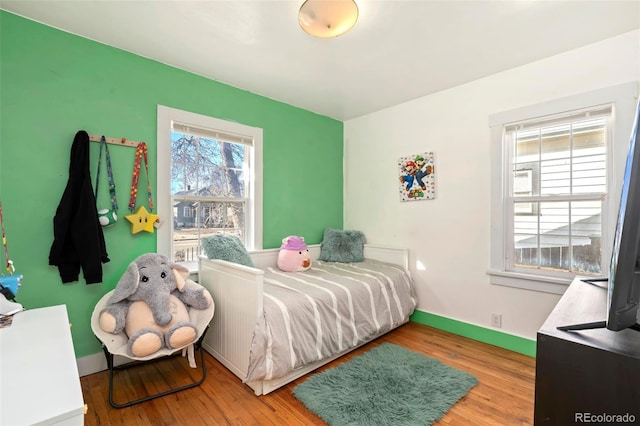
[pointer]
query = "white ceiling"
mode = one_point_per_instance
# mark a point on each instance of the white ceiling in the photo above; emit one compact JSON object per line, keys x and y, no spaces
{"x":398,"y":50}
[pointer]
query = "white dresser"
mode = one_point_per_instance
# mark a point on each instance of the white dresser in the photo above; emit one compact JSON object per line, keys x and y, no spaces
{"x":39,"y":380}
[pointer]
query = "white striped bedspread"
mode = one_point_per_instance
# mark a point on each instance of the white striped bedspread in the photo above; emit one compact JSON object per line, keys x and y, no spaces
{"x":318,"y":313}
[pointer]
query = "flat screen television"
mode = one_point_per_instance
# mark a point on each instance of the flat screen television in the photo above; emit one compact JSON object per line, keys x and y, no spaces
{"x":624,"y":271}
{"x":623,"y":301}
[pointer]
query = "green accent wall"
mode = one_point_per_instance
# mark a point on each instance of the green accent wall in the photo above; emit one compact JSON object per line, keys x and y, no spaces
{"x":492,"y":337}
{"x":53,"y":84}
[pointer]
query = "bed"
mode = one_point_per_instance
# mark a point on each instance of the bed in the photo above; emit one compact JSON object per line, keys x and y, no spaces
{"x":272,"y":327}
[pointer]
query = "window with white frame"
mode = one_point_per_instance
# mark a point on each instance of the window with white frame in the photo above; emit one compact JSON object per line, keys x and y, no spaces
{"x":209,"y":182}
{"x":558,"y":226}
{"x":552,"y":172}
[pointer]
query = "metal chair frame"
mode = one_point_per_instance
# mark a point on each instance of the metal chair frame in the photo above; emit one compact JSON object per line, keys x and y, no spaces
{"x":113,"y":368}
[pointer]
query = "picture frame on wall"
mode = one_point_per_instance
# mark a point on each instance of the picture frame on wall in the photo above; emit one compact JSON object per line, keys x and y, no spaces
{"x":417,"y":177}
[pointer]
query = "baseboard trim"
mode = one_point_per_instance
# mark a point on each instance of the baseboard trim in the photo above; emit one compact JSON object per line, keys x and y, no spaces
{"x":91,"y":364}
{"x":475,"y":332}
{"x":95,"y":363}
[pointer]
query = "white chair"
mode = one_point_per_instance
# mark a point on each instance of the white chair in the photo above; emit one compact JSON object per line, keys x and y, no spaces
{"x":116,"y":345}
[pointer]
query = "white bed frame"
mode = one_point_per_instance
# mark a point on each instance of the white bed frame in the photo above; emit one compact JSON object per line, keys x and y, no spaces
{"x":237,"y":292}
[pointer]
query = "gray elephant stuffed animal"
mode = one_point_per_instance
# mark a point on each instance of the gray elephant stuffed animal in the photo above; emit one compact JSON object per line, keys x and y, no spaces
{"x":150,"y":303}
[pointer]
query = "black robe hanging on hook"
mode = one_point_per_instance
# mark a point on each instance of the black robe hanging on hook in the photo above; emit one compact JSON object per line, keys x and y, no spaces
{"x":78,"y":238}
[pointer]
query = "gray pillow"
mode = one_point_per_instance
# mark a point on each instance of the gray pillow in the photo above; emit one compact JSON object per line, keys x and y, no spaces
{"x":342,"y":246}
{"x":226,"y":247}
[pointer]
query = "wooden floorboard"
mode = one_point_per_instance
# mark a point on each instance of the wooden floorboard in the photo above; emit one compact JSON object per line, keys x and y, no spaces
{"x":503,"y":396}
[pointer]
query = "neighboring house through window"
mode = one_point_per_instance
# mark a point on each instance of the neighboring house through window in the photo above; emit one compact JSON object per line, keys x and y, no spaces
{"x":554,"y":188}
{"x":209,"y":182}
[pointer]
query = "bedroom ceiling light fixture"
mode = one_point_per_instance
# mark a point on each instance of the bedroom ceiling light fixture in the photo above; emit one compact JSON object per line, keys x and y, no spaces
{"x":327,"y":18}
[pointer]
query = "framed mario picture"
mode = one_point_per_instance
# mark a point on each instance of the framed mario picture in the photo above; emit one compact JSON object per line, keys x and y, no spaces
{"x":417,"y":176}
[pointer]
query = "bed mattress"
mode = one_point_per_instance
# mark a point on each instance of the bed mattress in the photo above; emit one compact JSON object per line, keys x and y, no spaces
{"x":331,"y":307}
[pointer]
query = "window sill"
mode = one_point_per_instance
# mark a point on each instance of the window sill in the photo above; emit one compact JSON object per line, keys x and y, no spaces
{"x":192,"y":267}
{"x":531,"y":282}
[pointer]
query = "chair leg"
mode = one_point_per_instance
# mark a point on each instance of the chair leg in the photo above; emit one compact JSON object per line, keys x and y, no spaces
{"x":112,"y":368}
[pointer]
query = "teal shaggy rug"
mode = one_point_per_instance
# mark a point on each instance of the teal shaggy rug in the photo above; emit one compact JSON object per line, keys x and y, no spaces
{"x":388,"y":385}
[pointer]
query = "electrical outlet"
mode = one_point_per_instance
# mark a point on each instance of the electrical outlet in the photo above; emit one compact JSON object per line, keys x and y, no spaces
{"x":496,"y":320}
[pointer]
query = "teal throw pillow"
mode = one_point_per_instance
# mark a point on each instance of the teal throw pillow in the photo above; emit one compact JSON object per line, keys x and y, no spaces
{"x":226,"y":247}
{"x":342,"y":246}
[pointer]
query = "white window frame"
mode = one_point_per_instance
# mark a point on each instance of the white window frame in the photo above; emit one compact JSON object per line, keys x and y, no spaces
{"x":166,"y":117}
{"x":528,"y":184}
{"x":623,"y":99}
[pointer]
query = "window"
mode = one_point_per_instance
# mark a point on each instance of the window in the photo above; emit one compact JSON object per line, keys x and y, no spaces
{"x":523,"y":187}
{"x":553,"y":173}
{"x":188,"y":211}
{"x":209,"y":182}
{"x":556,"y":222}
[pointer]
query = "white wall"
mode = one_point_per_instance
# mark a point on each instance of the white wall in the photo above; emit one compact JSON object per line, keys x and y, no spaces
{"x":450,"y":235}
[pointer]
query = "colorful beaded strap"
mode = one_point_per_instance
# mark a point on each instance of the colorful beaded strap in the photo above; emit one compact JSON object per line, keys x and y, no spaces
{"x":112,"y":186}
{"x":141,"y":153}
{"x":9,"y":266}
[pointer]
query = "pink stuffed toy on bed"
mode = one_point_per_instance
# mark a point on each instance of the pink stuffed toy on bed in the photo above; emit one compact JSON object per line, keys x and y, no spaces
{"x":294,"y":255}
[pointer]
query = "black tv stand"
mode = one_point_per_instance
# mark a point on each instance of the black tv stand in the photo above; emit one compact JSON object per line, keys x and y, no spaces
{"x":591,"y":326}
{"x":587,"y":325}
{"x":583,"y":326}
{"x":595,"y":280}
{"x":595,"y":371}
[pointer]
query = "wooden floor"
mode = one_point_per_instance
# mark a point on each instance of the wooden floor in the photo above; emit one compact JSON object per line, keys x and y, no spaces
{"x":504,"y":395}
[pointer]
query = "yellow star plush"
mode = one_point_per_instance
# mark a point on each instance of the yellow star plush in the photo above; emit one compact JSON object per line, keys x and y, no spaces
{"x":141,"y":220}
